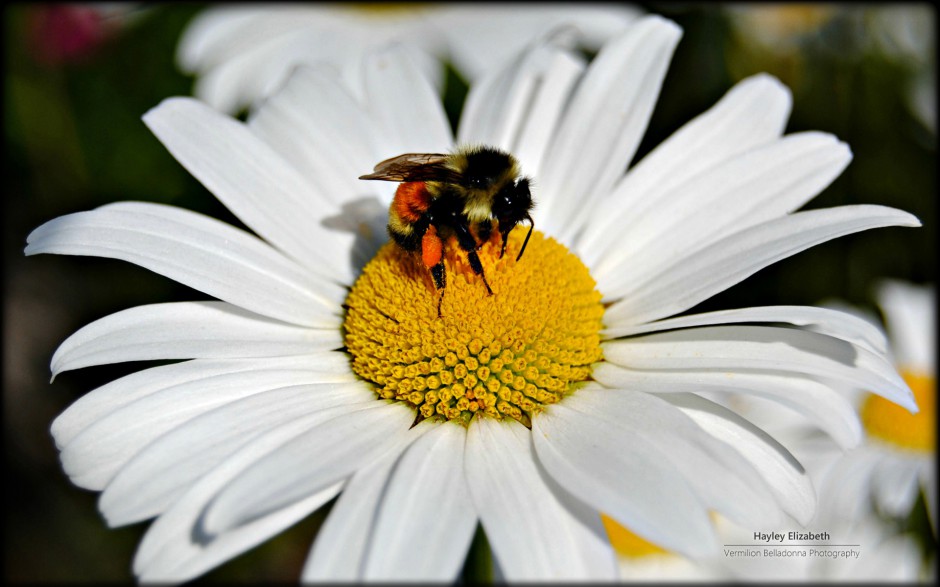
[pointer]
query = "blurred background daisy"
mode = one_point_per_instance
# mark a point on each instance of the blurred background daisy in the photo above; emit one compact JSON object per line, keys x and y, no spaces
{"x":241,"y":53}
{"x":879,"y":495}
{"x":74,"y":140}
{"x":891,"y":479}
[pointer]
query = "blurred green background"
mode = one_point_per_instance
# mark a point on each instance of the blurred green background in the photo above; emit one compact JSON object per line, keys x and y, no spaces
{"x":74,"y":140}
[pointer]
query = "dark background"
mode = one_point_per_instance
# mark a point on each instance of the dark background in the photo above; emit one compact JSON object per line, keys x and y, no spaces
{"x":74,"y":141}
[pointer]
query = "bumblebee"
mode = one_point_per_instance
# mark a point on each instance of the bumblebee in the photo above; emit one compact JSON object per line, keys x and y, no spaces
{"x":457,"y":194}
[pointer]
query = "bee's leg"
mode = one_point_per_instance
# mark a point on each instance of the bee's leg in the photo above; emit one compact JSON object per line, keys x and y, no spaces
{"x":440,"y":281}
{"x":504,"y":230}
{"x":413,"y":238}
{"x":468,"y":244}
{"x":506,"y":227}
{"x":484,"y":230}
{"x":432,"y":254}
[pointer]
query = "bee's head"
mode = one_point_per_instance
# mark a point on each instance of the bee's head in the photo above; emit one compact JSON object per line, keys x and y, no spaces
{"x":478,"y":182}
{"x":513,"y":202}
{"x":511,"y":205}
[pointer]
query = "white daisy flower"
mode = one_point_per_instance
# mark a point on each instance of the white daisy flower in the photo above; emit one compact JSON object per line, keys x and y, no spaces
{"x":242,"y":53}
{"x":897,"y":463}
{"x":324,"y":368}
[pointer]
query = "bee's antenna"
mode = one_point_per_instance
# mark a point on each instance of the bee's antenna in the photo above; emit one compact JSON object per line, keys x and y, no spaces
{"x":526,"y":241}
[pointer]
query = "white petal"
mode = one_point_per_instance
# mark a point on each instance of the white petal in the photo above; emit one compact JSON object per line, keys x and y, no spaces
{"x":910,"y":317}
{"x":243,"y":53}
{"x":219,"y":32}
{"x":836,"y":323}
{"x":720,"y":477}
{"x":206,"y":36}
{"x":245,"y":77}
{"x":757,"y":186}
{"x":532,"y":533}
{"x":333,"y":36}
{"x":626,"y":476}
{"x":310,"y":462}
{"x":766,"y":349}
{"x":177,"y":548}
{"x":892,"y":559}
{"x":480,"y":40}
{"x":845,"y":488}
{"x":169,"y":465}
{"x":786,"y":478}
{"x":253,"y":181}
{"x":408,"y":113}
{"x":198,"y":251}
{"x":554,"y":87}
{"x":96,"y":404}
{"x":604,"y":123}
{"x":517,"y":108}
{"x":185,"y":558}
{"x":426,"y":520}
{"x":318,"y":127}
{"x":491,"y":111}
{"x":896,"y":486}
{"x":185,"y":330}
{"x":752,"y":113}
{"x":699,"y":275}
{"x":819,"y":403}
{"x":339,"y":548}
{"x":95,"y":455}
{"x":422,"y":48}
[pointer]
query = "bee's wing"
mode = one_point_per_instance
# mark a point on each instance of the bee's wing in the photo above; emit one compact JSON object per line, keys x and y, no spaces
{"x":414,"y":167}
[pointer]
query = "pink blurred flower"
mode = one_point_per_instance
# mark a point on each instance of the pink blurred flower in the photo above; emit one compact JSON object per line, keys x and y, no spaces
{"x":68,"y":33}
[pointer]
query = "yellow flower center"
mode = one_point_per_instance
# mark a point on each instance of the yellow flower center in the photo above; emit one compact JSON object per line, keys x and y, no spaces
{"x":892,"y":423}
{"x":506,"y":354}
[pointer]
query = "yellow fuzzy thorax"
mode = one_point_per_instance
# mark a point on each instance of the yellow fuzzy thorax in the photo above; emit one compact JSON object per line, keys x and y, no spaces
{"x":478,"y":203}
